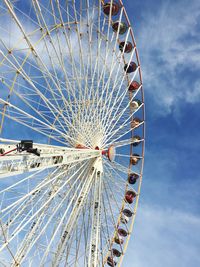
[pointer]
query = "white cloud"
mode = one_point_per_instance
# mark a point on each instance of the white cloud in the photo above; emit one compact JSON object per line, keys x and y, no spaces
{"x":193,"y":95}
{"x":49,"y":50}
{"x":164,"y":237}
{"x":170,"y":53}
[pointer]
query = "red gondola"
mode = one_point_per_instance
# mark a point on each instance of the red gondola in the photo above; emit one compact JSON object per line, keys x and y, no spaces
{"x":134,"y":86}
{"x":127,"y":47}
{"x":129,"y":197}
{"x":114,"y":9}
{"x":131,"y":67}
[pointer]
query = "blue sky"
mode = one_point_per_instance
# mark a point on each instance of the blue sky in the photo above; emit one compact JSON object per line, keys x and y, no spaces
{"x":167,"y":229}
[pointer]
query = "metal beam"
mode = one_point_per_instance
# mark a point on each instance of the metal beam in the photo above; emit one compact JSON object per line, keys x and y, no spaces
{"x":19,"y":162}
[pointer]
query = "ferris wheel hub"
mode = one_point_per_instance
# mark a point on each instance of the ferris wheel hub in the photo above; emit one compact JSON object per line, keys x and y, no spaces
{"x":110,"y":153}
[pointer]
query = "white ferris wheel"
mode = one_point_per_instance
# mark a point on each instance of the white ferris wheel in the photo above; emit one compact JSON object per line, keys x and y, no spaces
{"x":71,"y":132}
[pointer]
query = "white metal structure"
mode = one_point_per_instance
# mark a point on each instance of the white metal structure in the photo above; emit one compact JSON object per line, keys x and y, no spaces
{"x":71,"y":132}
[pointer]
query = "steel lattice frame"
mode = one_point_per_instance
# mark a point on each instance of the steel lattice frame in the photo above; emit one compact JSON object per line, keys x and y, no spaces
{"x":70,"y":81}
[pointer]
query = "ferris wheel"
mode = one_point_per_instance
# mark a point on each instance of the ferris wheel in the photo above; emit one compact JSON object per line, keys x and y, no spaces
{"x":71,"y":132}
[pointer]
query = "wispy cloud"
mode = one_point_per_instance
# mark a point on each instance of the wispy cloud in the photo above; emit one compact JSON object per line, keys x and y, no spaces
{"x":193,"y":95}
{"x":168,"y":40}
{"x":164,"y":237}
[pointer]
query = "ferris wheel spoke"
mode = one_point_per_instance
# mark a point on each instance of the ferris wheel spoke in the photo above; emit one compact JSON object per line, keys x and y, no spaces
{"x":114,"y":107}
{"x":60,"y":45}
{"x":91,"y":65}
{"x":119,"y":167}
{"x":29,"y":43}
{"x":73,"y":256}
{"x":111,"y":39}
{"x":66,"y":103}
{"x":113,"y":172}
{"x":85,"y":258}
{"x":119,"y":56}
{"x":62,"y":247}
{"x":29,"y":177}
{"x":58,"y":174}
{"x":27,"y":96}
{"x":27,"y":217}
{"x":45,"y":100}
{"x":117,"y":116}
{"x":15,"y":63}
{"x":126,"y":122}
{"x":110,"y":197}
{"x":95,"y":73}
{"x":29,"y":102}
{"x":53,"y":213}
{"x":94,"y":52}
{"x":27,"y":239}
{"x":127,"y":142}
{"x":79,"y":232}
{"x":119,"y":79}
{"x":85,"y":62}
{"x":120,"y":196}
{"x":120,"y":96}
{"x":117,"y":189}
{"x":106,"y":231}
{"x":25,"y":221}
{"x":18,"y":223}
{"x":44,"y":26}
{"x":112,"y":217}
{"x":78,"y":199}
{"x":77,"y":17}
{"x":17,"y":209}
{"x":48,"y":180}
{"x":60,"y":125}
{"x":73,"y":57}
{"x":15,"y":60}
{"x":79,"y":235}
{"x":71,"y":54}
{"x":27,"y":243}
{"x":41,"y":230}
{"x":111,"y":94}
{"x":34,"y":123}
{"x":113,"y":123}
{"x":103,"y":71}
{"x":123,"y":133}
